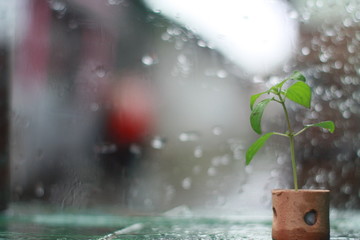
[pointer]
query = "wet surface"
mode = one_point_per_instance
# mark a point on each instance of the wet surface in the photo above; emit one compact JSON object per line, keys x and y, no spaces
{"x":23,"y":223}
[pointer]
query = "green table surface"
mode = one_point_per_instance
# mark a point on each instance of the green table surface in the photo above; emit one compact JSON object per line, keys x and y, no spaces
{"x":29,"y":221}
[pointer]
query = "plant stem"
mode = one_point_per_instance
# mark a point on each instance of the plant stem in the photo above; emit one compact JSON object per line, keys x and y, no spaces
{"x":293,"y":162}
{"x":290,"y":134}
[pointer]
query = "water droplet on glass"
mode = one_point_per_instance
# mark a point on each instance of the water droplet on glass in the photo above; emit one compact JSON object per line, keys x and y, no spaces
{"x":305,"y":51}
{"x":147,"y":60}
{"x":347,"y":189}
{"x":347,"y":22}
{"x":351,"y":48}
{"x":115,"y":2}
{"x":158,"y":142}
{"x":217,"y":130}
{"x":94,"y":107}
{"x":189,"y":136}
{"x":196,"y":169}
{"x":318,"y":107}
{"x":73,"y":24}
{"x":293,"y":14}
{"x":346,"y":114}
{"x":135,"y":149}
{"x":100,"y":71}
{"x":186,"y":183}
{"x":198,"y":152}
{"x":201,"y":43}
{"x":39,"y":190}
{"x":57,"y":5}
{"x":165,"y":37}
{"x":212,"y":171}
{"x":221,"y":74}
{"x":338,"y":65}
{"x":182,"y":59}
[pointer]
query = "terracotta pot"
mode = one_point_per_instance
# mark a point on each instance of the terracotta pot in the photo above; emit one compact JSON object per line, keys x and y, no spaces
{"x":300,"y":215}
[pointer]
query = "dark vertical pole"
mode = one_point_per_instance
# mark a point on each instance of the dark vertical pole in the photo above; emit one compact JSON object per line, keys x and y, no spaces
{"x":4,"y":127}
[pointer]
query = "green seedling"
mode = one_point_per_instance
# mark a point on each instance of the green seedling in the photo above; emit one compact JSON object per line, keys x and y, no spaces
{"x":299,"y":92}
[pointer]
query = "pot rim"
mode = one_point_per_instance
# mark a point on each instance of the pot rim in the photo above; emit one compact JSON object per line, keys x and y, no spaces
{"x":301,"y":190}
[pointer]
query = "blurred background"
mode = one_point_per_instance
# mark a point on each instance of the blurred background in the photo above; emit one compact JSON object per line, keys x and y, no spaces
{"x":144,"y":105}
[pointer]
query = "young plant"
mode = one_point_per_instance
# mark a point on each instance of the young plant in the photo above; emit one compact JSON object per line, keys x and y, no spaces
{"x":298,"y":92}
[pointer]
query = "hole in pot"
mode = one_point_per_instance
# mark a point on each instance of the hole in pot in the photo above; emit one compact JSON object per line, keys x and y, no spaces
{"x":274,"y":212}
{"x":310,"y":217}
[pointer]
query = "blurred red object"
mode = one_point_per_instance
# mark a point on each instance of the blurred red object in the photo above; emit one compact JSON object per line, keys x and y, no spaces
{"x":132,"y":114}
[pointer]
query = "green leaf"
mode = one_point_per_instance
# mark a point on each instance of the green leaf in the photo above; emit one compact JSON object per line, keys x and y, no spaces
{"x":300,"y":93}
{"x":254,"y":97}
{"x":298,"y":76}
{"x":254,"y":148}
{"x":256,"y":115}
{"x":329,"y":125}
{"x":278,"y":86}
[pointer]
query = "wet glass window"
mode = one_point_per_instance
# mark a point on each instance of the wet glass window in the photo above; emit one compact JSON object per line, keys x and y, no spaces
{"x":145,"y":104}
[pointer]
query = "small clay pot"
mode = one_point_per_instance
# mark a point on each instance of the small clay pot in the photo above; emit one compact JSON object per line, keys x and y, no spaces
{"x":300,"y":215}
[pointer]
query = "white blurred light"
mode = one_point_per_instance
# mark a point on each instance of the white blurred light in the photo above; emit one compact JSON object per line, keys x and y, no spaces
{"x":258,"y":35}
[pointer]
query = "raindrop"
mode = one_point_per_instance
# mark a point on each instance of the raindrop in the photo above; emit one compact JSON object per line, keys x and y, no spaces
{"x":174,"y":31}
{"x":57,"y":5}
{"x":135,"y":149}
{"x":73,"y":24}
{"x":338,"y":65}
{"x":319,"y":90}
{"x":147,"y":60}
{"x":248,"y":169}
{"x":158,"y":142}
{"x":198,"y":152}
{"x":274,"y":173}
{"x":100,"y":71}
{"x":320,"y":178}
{"x":94,"y":107}
{"x":319,"y":3}
{"x":351,"y":48}
{"x":347,"y":22}
{"x":165,"y":37}
{"x":324,"y":57}
{"x":170,"y":192}
{"x":281,"y":160}
{"x":318,"y":107}
{"x":148,"y":202}
{"x":217,"y":130}
{"x":114,"y":2}
{"x":212,"y":171}
{"x":293,"y":14}
{"x":182,"y":59}
{"x":350,"y":7}
{"x":189,"y":137}
{"x":347,"y":189}
{"x":305,"y":51}
{"x":346,"y":114}
{"x":225,"y":160}
{"x":39,"y":190}
{"x":258,"y":79}
{"x":196,"y":169}
{"x":216,"y":161}
{"x":201,"y":43}
{"x":186,"y":183}
{"x":221,"y":74}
